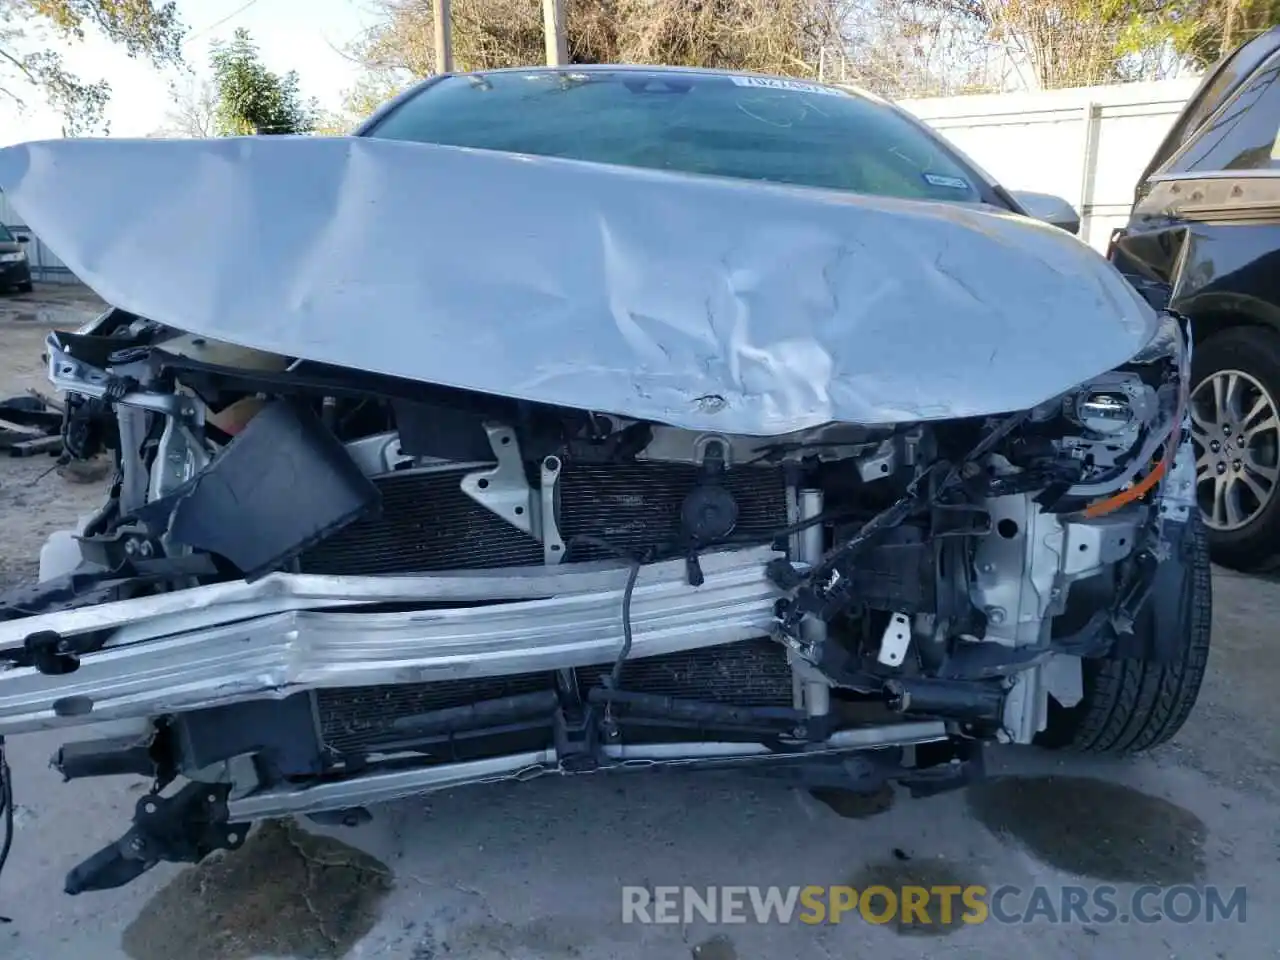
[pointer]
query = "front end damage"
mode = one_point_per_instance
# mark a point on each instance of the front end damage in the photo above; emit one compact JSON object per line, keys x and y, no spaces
{"x":313,"y":589}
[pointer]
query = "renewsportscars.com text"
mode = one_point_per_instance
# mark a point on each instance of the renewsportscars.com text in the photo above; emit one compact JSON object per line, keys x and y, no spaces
{"x":1007,"y":904}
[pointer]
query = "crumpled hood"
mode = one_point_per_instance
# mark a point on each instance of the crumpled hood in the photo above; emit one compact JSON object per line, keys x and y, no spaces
{"x":694,"y":301}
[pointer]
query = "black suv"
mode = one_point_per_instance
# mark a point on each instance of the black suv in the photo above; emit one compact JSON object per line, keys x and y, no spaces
{"x":1204,"y":238}
{"x":15,"y":270}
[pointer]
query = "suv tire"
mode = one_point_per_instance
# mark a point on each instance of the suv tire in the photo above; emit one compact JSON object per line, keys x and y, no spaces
{"x":1254,"y":352}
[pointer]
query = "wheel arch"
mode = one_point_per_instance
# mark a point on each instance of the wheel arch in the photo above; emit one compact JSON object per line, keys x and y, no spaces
{"x":1214,"y":313}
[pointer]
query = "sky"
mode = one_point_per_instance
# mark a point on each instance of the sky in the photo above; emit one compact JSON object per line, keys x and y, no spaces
{"x":291,"y":35}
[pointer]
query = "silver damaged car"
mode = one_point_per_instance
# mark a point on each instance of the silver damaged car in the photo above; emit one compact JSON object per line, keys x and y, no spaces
{"x":566,"y":421}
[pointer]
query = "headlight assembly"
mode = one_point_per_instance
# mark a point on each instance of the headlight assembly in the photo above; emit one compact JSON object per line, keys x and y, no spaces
{"x":1114,"y":406}
{"x":1139,"y":409}
{"x":1109,"y":441}
{"x":1103,"y":414}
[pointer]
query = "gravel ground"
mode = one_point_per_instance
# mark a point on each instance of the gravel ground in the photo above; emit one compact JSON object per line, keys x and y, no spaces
{"x":534,"y":870}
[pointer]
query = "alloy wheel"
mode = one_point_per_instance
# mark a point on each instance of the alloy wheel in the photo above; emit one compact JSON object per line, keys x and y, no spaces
{"x":1236,"y":433}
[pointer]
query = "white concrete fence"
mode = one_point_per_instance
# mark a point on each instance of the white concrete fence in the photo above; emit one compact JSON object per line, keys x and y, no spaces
{"x":1087,"y":145}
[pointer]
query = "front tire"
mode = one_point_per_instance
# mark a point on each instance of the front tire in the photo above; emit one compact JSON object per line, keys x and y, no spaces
{"x":1235,"y":414}
{"x":1134,"y":705}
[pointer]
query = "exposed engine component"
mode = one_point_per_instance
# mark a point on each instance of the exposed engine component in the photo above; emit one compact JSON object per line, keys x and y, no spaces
{"x":319,"y":587}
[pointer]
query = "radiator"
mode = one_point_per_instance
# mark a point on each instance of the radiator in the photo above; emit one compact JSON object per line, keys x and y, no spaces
{"x":754,"y":673}
{"x":427,"y":523}
{"x":357,"y":719}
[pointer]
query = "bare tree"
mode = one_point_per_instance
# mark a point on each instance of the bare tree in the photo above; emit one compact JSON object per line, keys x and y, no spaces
{"x":894,"y":47}
{"x":906,"y":48}
{"x":194,"y":110}
{"x":1067,"y":43}
{"x":911,"y":49}
{"x":776,"y":36}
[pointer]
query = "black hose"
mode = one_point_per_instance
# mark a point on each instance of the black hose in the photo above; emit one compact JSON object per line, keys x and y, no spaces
{"x":615,"y":675}
{"x":6,"y":811}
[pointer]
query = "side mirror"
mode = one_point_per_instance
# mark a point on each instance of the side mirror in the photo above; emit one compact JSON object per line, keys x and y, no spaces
{"x":1049,"y":209}
{"x":23,"y":239}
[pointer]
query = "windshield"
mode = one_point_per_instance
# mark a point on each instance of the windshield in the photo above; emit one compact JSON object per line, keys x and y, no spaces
{"x":752,"y":128}
{"x":5,"y":235}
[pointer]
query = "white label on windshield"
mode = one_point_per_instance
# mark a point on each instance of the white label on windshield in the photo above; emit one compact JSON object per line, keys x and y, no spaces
{"x":953,"y":183}
{"x":776,"y":83}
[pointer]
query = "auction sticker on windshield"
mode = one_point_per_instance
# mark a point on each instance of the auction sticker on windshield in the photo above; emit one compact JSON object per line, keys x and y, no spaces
{"x":940,"y":180}
{"x":777,"y":83}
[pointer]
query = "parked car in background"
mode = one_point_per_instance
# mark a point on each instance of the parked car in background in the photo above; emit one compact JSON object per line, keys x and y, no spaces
{"x":1204,"y":239}
{"x":15,"y":270}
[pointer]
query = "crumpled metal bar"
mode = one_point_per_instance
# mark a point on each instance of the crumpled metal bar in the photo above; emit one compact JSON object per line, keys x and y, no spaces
{"x":282,"y":592}
{"x":281,"y":653}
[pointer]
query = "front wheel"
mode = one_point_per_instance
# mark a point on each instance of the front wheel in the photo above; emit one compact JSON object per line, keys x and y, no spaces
{"x":1235,"y":421}
{"x":1134,"y":705}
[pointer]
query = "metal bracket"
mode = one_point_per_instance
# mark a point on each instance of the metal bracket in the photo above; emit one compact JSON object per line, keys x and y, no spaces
{"x":1026,"y":708}
{"x":552,"y":545}
{"x":381,"y":453}
{"x":895,"y":640}
{"x":1177,"y":493}
{"x":183,"y":828}
{"x":880,"y":464}
{"x":70,"y":375}
{"x":179,"y":457}
{"x":504,"y":490}
{"x":1064,"y":677}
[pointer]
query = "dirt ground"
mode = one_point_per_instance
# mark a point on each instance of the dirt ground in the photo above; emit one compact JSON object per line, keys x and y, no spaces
{"x":64,"y":305}
{"x":534,"y":871}
{"x":36,"y":498}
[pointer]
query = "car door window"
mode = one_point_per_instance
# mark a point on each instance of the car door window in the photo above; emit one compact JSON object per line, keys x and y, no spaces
{"x":1221,"y":81}
{"x":1242,"y":135}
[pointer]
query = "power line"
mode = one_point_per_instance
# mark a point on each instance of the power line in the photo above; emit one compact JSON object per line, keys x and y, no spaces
{"x":217,"y":23}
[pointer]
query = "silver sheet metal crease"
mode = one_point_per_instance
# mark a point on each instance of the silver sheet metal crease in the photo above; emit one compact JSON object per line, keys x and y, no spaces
{"x":700,"y":302}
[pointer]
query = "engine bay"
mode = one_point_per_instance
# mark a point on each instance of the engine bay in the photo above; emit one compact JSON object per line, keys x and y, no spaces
{"x":317,"y":587}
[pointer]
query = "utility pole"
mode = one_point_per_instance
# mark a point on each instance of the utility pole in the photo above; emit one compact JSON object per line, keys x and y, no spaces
{"x":554,"y":27}
{"x":443,"y":17}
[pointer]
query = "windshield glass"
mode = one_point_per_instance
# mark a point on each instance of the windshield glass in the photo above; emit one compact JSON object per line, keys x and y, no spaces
{"x":5,"y":235}
{"x":752,"y":128}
